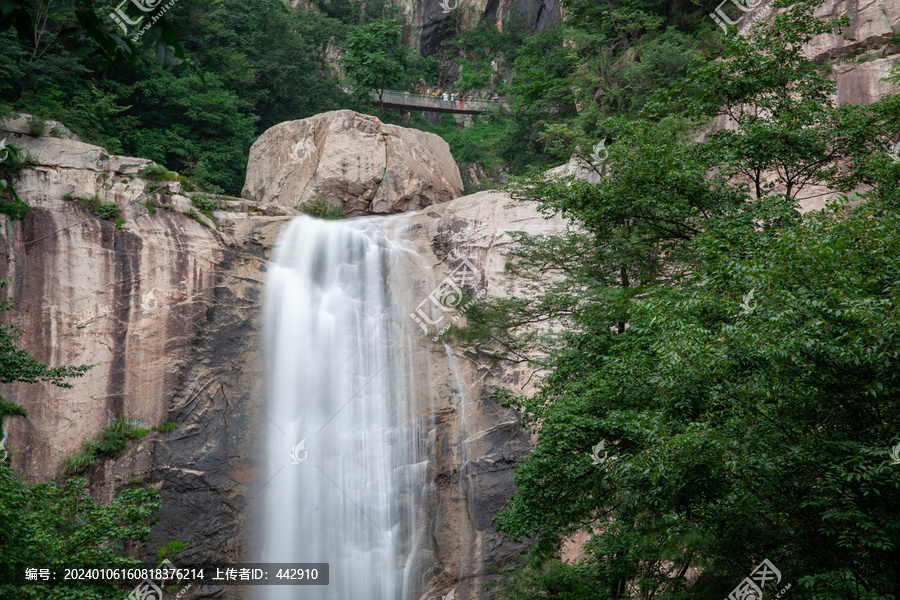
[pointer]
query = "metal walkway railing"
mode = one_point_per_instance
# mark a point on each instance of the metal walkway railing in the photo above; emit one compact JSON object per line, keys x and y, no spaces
{"x":425,"y":102}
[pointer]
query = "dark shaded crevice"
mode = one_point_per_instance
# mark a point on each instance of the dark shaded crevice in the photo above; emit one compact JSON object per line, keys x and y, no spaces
{"x":126,"y":263}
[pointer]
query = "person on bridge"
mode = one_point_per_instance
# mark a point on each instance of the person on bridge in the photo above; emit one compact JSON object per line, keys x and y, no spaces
{"x":461,"y":97}
{"x":446,"y":97}
{"x":435,"y":95}
{"x":406,"y":95}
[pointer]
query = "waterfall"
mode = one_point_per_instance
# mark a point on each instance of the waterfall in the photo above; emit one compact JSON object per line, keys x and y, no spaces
{"x":3,"y":453}
{"x":343,"y":467}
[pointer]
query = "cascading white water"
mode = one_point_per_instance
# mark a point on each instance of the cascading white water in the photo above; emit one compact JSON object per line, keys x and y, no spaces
{"x":342,"y":461}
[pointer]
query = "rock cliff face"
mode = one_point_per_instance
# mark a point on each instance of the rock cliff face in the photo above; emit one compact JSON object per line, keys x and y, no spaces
{"x":864,"y":55}
{"x":431,"y":18}
{"x":168,"y":309}
{"x":474,"y":443}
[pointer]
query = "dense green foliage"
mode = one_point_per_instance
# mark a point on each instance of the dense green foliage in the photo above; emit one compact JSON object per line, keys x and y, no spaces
{"x":607,"y":59}
{"x":475,"y":144}
{"x":738,"y":430}
{"x":55,"y":526}
{"x":263,"y":63}
{"x":478,"y":49}
{"x":738,"y":359}
{"x":374,"y":57}
{"x":86,"y":31}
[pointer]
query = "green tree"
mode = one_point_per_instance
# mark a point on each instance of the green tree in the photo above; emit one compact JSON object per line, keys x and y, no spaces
{"x":738,"y":358}
{"x":270,"y":55}
{"x":749,"y":413}
{"x":60,"y":526}
{"x":375,"y":57}
{"x":208,"y":129}
{"x":41,"y":24}
{"x":17,"y":365}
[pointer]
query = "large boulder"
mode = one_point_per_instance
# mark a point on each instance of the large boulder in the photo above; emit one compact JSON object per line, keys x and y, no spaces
{"x":352,"y":160}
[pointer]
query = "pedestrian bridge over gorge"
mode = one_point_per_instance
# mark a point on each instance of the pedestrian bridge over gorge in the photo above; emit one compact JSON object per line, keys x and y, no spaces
{"x":427,"y":102}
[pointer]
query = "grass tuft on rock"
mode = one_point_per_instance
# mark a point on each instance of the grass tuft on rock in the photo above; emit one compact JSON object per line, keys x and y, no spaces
{"x":113,"y":438}
{"x":321,"y":209}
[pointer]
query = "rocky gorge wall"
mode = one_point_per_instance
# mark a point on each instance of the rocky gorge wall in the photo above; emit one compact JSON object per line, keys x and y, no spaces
{"x":432,"y":20}
{"x":167,"y":308}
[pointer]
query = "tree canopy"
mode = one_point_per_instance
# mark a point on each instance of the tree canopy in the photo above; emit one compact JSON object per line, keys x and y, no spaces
{"x":47,"y":525}
{"x":375,"y":57}
{"x":737,"y":358}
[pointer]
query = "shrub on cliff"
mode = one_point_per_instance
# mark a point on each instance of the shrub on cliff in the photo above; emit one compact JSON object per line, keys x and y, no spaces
{"x":114,"y":437}
{"x":11,"y":163}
